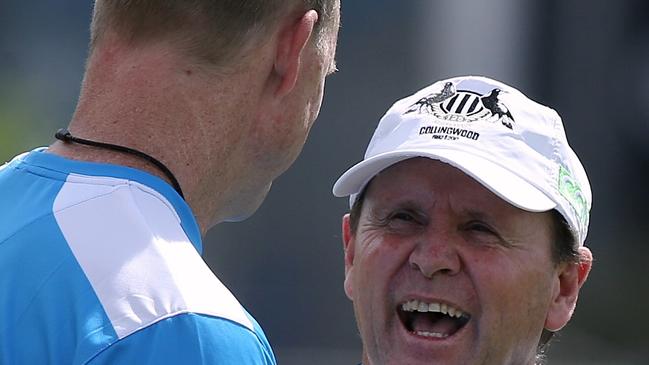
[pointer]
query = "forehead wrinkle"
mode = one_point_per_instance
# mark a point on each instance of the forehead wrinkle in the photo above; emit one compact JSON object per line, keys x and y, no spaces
{"x":388,"y":199}
{"x":386,"y":184}
{"x":448,"y":186}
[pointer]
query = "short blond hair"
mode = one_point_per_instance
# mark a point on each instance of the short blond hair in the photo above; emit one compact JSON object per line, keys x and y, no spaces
{"x":212,"y":30}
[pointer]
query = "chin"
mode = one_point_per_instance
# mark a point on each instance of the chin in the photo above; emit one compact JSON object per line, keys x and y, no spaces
{"x":248,"y":204}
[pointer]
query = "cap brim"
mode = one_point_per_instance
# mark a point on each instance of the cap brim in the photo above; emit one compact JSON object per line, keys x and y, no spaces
{"x":501,"y":181}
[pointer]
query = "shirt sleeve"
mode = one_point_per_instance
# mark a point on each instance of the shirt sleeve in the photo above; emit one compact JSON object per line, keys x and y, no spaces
{"x":189,"y":339}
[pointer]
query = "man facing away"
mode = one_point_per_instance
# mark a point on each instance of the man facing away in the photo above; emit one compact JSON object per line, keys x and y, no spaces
{"x":188,"y":111}
{"x":465,"y":240}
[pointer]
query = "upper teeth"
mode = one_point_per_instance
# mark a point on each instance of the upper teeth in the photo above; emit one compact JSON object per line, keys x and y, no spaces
{"x":415,"y":305}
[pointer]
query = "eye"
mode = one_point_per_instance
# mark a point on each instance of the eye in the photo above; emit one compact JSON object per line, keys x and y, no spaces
{"x":402,"y":216}
{"x":479,"y":232}
{"x":403,"y":219}
{"x":480,"y":227}
{"x":398,"y":218}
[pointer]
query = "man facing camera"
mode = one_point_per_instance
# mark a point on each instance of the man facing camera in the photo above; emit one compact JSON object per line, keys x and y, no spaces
{"x":465,"y":240}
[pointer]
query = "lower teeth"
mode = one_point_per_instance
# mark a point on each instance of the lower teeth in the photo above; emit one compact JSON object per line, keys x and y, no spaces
{"x":431,"y":334}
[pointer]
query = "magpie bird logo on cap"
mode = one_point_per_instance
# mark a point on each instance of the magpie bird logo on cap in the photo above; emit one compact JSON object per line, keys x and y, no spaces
{"x":464,"y":106}
{"x":428,"y":103}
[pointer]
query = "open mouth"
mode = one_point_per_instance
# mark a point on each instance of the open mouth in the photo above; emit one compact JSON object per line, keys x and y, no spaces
{"x":432,"y":320}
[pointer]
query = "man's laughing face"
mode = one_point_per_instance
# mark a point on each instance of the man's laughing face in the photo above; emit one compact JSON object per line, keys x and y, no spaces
{"x":442,"y":271}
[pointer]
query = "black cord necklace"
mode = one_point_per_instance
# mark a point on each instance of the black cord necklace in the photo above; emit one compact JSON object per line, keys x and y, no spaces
{"x":67,"y":137}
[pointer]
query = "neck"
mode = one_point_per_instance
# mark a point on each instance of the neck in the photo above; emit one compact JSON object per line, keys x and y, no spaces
{"x":65,"y":136}
{"x":150,"y":101}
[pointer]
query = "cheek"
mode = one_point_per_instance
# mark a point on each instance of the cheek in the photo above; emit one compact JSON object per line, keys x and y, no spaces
{"x":515,"y":296}
{"x":377,"y":270}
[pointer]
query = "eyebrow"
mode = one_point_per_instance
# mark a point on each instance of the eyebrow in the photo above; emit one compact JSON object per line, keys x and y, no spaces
{"x":480,"y":215}
{"x":474,"y":214}
{"x":405,"y":204}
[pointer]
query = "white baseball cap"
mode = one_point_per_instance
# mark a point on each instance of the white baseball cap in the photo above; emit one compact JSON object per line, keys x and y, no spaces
{"x":512,"y":145}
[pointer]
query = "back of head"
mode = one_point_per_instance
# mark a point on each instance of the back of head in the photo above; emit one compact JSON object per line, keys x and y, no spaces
{"x":215,"y":31}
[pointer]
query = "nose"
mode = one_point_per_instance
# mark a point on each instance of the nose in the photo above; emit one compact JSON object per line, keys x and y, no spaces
{"x":435,"y":254}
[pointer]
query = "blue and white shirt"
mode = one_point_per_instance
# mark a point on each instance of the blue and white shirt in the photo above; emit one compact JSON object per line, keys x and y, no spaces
{"x":101,"y":264}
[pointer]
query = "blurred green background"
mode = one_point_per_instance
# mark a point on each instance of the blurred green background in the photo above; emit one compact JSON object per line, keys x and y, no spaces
{"x":587,"y":59}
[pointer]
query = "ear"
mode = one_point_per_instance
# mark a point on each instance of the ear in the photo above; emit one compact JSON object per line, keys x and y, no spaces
{"x":571,"y":276}
{"x":348,"y":247}
{"x":292,"y":40}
